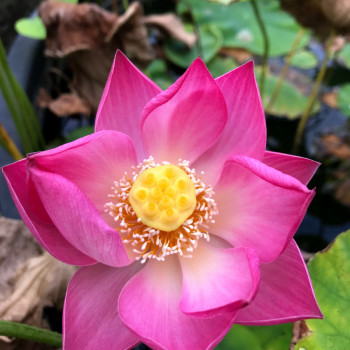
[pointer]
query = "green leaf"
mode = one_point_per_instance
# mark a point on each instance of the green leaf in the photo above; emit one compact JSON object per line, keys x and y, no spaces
{"x":80,"y":132}
{"x":69,"y":1}
{"x":31,"y":27}
{"x":304,"y":59}
{"x":239,"y":27}
{"x":157,"y":71}
{"x":330,"y":274}
{"x":276,"y":337}
{"x":345,"y":55}
{"x":343,"y":99}
{"x":210,"y":41}
{"x":219,"y":66}
{"x":290,"y":101}
{"x":20,"y":108}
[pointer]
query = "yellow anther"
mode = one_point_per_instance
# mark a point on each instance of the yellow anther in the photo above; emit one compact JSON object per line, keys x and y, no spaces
{"x":148,"y":178}
{"x":141,"y":194}
{"x":183,"y":202}
{"x":163,"y":183}
{"x":171,"y":192}
{"x":156,"y":193}
{"x":163,"y":197}
{"x":182,"y":184}
{"x":166,"y":202}
{"x":150,"y":209}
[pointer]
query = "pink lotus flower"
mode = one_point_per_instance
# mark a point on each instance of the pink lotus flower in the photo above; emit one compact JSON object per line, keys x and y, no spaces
{"x":167,"y":258}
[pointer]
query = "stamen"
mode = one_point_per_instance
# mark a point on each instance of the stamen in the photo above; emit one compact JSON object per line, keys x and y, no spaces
{"x":165,"y":200}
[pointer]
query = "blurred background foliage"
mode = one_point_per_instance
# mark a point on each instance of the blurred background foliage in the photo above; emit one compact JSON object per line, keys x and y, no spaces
{"x":301,"y":51}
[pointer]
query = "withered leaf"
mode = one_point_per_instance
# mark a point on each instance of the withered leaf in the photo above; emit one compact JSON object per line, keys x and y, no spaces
{"x":172,"y":25}
{"x":29,"y":281}
{"x":89,"y":37}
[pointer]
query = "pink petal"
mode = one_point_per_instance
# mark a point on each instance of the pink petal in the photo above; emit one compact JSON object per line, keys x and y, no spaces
{"x":302,"y":169}
{"x":245,"y":131}
{"x":186,"y":119}
{"x":259,"y":207}
{"x":44,"y":231}
{"x":149,"y":306}
{"x":77,"y":218}
{"x":285,"y":292}
{"x":90,"y":318}
{"x":126,"y":93}
{"x":218,"y":280}
{"x":92,"y":163}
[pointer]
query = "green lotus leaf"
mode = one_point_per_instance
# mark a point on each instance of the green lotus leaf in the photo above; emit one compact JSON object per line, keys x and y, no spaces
{"x":304,"y":59}
{"x":330,"y":274}
{"x":210,"y":42}
{"x":239,"y":26}
{"x":31,"y":27}
{"x":345,"y":55}
{"x":276,"y":337}
{"x":343,"y":99}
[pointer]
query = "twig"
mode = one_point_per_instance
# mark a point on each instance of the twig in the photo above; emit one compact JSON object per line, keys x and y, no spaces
{"x":266,"y":44}
{"x":24,"y":331}
{"x":9,"y":144}
{"x":285,"y":69}
{"x":311,"y":100}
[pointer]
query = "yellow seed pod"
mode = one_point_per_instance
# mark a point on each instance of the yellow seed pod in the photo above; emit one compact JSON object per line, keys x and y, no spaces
{"x":163,"y":197}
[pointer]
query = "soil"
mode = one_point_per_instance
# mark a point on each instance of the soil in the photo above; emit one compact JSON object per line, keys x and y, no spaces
{"x":10,"y":12}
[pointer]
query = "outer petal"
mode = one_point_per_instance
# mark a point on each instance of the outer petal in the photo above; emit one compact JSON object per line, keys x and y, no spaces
{"x":285,"y":292}
{"x":259,"y":207}
{"x":78,"y":219}
{"x":92,"y":163}
{"x":185,"y":120}
{"x":218,"y":280}
{"x":90,"y":318}
{"x":149,"y":306}
{"x":302,"y":169}
{"x":44,"y":231}
{"x":245,"y":131}
{"x":126,"y":93}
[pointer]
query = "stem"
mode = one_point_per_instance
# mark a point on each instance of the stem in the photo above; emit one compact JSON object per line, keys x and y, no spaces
{"x":9,"y":144}
{"x":196,"y":29}
{"x":24,"y":331}
{"x":306,"y":115}
{"x":266,"y":44}
{"x":285,"y":69}
{"x":125,"y":5}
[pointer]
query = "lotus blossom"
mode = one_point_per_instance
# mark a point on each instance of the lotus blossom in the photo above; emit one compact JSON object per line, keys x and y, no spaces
{"x":180,"y":220}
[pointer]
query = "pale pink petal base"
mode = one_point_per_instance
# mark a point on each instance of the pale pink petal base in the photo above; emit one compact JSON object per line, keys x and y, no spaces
{"x":186,"y":119}
{"x":43,"y":230}
{"x":302,"y":169}
{"x":285,"y":292}
{"x":90,"y":318}
{"x":149,"y":306}
{"x":259,"y":207}
{"x":218,"y":280}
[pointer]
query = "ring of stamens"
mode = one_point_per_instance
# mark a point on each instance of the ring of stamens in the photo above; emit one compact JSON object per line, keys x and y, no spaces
{"x":151,"y":240}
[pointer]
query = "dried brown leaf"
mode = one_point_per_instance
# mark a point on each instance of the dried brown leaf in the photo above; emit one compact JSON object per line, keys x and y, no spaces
{"x":321,"y":15}
{"x":89,"y":37}
{"x":335,"y":146}
{"x":173,"y":26}
{"x":29,"y":281}
{"x":68,"y":104}
{"x":330,"y":99}
{"x":240,"y":55}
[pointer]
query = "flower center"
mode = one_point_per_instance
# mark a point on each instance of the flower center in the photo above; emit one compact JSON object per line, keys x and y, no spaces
{"x":163,"y":197}
{"x":162,"y":209}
